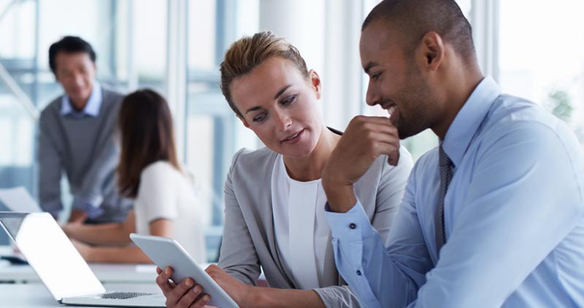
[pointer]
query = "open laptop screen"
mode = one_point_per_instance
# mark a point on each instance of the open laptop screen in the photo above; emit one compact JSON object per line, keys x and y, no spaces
{"x":51,"y":254}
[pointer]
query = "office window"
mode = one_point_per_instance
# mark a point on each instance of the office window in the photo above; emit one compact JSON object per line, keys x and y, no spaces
{"x":208,"y":121}
{"x":17,"y":120}
{"x":541,"y":56}
{"x":16,"y":143}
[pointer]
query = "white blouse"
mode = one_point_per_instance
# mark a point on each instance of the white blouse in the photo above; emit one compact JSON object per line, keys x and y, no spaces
{"x":302,"y":233}
{"x":167,"y":193}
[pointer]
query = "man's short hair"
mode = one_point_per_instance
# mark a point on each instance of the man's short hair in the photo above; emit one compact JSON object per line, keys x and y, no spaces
{"x":414,"y":18}
{"x":69,"y":44}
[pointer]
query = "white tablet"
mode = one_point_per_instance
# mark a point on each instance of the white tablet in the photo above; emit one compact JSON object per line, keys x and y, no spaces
{"x":167,"y":252}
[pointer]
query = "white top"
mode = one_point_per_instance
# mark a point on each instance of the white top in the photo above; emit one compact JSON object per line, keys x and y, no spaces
{"x":167,"y":193}
{"x":302,"y":233}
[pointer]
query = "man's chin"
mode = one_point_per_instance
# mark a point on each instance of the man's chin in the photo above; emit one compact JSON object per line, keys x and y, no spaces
{"x":406,"y":132}
{"x":403,"y":135}
{"x":79,"y":96}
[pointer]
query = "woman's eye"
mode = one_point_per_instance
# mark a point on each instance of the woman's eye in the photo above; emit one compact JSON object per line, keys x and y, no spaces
{"x":260,"y":117}
{"x":288,"y":100}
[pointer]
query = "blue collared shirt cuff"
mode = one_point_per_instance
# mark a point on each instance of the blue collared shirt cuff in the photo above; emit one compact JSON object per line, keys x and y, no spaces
{"x":349,"y":226}
{"x":88,"y":207}
{"x":348,"y":231}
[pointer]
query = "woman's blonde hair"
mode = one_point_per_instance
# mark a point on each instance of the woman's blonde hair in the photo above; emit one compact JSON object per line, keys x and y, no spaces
{"x":249,"y":52}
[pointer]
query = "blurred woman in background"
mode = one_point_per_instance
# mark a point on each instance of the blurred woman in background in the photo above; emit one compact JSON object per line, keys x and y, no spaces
{"x":165,"y":202}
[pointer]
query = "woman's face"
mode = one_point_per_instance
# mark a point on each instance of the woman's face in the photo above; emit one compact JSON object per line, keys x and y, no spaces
{"x":279,"y":105}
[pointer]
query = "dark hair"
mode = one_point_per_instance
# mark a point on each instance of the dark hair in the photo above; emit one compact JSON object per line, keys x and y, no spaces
{"x":69,"y":44}
{"x":146,"y":135}
{"x":412,"y":19}
{"x":249,"y":52}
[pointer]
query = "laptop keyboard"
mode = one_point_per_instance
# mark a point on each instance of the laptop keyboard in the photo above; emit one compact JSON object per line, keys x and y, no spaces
{"x":123,"y":295}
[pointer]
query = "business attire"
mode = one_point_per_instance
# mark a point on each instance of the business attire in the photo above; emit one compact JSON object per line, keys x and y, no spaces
{"x":512,"y":217}
{"x":302,"y":233}
{"x":81,"y":143}
{"x":253,"y":222}
{"x":167,"y":193}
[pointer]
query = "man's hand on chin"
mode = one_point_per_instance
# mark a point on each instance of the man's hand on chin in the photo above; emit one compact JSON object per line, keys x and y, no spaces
{"x":364,"y":140}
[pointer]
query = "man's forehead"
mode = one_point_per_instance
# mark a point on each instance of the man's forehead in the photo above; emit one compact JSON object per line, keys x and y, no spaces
{"x":380,"y":32}
{"x":376,"y":39}
{"x":387,"y":32}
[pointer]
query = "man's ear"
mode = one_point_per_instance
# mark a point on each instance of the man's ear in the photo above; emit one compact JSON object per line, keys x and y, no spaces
{"x":243,"y":121}
{"x":432,"y":49}
{"x":315,"y":82}
{"x":56,"y":76}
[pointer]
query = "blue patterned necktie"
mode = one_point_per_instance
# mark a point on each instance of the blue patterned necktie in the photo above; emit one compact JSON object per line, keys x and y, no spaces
{"x":445,"y":165}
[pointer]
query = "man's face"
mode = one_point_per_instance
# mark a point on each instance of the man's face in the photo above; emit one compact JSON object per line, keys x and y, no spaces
{"x":75,"y":72}
{"x":396,"y":82}
{"x":280,"y":105}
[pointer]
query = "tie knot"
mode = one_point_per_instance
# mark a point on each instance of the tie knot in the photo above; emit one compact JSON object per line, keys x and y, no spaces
{"x":444,"y":160}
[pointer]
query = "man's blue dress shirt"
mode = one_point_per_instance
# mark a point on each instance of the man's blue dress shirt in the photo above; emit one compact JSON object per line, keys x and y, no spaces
{"x":91,"y":107}
{"x":514,"y":218}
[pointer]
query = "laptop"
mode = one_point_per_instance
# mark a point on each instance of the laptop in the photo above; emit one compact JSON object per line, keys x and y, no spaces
{"x":60,"y":266}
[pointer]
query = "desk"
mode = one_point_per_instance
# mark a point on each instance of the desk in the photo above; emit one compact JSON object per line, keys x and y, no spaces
{"x":106,"y":273}
{"x":36,"y":295}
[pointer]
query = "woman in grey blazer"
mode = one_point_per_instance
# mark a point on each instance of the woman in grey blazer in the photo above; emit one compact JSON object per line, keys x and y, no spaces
{"x":274,"y":202}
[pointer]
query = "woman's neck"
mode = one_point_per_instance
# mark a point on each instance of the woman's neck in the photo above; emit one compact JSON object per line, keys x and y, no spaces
{"x":309,"y":168}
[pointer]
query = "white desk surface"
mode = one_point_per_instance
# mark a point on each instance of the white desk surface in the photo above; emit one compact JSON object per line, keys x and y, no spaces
{"x":106,"y":273}
{"x":36,"y":295}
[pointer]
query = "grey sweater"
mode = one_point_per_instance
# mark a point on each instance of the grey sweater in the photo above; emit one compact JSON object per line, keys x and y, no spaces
{"x":84,"y":148}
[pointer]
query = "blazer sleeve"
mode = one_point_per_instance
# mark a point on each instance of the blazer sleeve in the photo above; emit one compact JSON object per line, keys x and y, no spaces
{"x":338,"y":296}
{"x":238,"y":256}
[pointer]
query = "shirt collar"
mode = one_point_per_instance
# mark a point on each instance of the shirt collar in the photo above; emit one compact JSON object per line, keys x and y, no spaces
{"x":469,"y":118}
{"x":91,"y":108}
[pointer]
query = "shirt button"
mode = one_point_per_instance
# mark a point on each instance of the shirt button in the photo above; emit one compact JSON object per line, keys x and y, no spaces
{"x":358,"y":273}
{"x":352,"y":226}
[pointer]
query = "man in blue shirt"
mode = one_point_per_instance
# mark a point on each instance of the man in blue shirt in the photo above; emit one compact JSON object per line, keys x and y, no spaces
{"x":492,"y":217}
{"x":76,"y":137}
